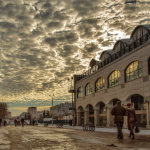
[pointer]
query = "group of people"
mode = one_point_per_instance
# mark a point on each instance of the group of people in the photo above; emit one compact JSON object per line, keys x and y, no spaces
{"x":119,"y":112}
{"x":22,"y":122}
{"x":4,"y":122}
{"x":19,"y":122}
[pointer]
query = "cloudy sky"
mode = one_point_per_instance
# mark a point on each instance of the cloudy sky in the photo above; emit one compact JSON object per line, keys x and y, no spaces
{"x":45,"y":42}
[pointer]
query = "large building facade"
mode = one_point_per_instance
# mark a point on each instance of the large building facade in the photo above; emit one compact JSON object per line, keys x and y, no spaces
{"x":121,"y":74}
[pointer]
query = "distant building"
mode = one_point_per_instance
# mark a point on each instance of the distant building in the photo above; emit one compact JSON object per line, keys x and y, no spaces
{"x":8,"y":115}
{"x":32,"y":111}
{"x":3,"y":110}
{"x":40,"y":115}
{"x":61,"y":110}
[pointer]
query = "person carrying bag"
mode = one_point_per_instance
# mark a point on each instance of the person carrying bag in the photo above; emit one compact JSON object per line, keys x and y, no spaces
{"x":131,"y":119}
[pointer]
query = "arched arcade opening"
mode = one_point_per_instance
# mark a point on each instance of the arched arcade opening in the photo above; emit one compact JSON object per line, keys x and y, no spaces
{"x":80,"y":116}
{"x":89,"y":114}
{"x":100,"y":114}
{"x":140,"y":109}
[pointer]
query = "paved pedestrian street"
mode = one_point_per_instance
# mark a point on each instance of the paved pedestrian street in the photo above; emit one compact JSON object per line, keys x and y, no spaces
{"x":51,"y":138}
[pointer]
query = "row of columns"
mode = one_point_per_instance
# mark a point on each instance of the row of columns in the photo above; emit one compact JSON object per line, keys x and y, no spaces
{"x":109,"y":117}
{"x":148,"y":115}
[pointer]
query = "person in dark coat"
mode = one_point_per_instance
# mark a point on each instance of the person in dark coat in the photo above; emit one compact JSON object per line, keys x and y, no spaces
{"x":119,"y":112}
{"x":22,"y":122}
{"x":5,"y":123}
{"x":131,"y":119}
{"x":15,"y":122}
{"x":33,"y":122}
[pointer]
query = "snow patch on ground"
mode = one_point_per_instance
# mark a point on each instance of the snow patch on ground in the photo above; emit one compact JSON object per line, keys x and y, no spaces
{"x":4,"y":143}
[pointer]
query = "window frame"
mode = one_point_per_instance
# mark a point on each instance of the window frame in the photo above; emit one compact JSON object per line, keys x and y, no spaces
{"x":102,"y":84}
{"x":133,"y":71}
{"x":79,"y":95}
{"x":89,"y":91}
{"x":115,"y":78}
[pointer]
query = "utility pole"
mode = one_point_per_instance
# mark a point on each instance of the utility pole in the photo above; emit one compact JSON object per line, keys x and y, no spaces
{"x":52,"y":110}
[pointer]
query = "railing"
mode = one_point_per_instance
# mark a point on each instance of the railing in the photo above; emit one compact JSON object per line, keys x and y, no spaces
{"x":117,"y":55}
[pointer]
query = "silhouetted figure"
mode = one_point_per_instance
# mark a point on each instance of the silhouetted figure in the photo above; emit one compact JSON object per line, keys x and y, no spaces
{"x":70,"y":122}
{"x":22,"y":122}
{"x":30,"y":122}
{"x":119,"y":112}
{"x":15,"y":122}
{"x":33,"y":122}
{"x":131,"y":117}
{"x":5,"y":123}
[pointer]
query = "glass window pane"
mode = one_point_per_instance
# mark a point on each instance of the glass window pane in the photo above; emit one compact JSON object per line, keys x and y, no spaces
{"x":114,"y":78}
{"x":133,"y":71}
{"x":99,"y":84}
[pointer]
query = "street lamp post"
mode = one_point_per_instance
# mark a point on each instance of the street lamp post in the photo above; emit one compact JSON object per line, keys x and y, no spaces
{"x":52,"y":110}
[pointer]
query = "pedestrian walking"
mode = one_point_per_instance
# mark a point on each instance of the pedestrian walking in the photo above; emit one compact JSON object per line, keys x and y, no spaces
{"x":5,"y":123}
{"x":33,"y":122}
{"x":0,"y":122}
{"x":15,"y":122}
{"x":131,"y":119}
{"x":119,"y":112}
{"x":22,"y":122}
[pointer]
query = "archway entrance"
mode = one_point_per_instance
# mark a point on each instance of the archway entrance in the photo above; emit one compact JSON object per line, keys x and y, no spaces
{"x":80,"y":116}
{"x":90,"y":114}
{"x":140,"y":109}
{"x":102,"y":114}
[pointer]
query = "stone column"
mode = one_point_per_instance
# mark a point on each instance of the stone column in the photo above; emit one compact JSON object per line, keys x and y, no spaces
{"x":148,"y":115}
{"x":125,"y":122}
{"x":96,"y":117}
{"x":86,"y":116}
{"x":78,"y":118}
{"x":108,"y":116}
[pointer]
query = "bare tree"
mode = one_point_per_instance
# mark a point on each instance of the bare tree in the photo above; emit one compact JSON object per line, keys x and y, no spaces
{"x":3,"y":110}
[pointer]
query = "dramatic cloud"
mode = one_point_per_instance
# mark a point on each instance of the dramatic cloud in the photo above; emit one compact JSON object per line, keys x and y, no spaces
{"x":44,"y":42}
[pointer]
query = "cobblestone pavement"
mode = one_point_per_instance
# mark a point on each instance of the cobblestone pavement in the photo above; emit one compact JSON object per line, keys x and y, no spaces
{"x":51,"y":138}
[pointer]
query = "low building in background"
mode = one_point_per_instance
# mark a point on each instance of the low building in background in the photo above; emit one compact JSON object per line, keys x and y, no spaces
{"x":8,"y":115}
{"x":61,"y":111}
{"x":40,"y":115}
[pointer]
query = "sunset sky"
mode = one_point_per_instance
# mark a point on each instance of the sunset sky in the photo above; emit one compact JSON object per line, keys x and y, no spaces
{"x":44,"y":42}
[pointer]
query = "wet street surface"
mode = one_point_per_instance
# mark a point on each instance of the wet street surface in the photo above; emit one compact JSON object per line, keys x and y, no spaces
{"x":51,"y":138}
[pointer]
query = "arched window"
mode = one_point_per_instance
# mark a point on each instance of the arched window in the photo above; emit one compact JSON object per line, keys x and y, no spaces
{"x":79,"y":92}
{"x":99,"y":84}
{"x":133,"y":71}
{"x":149,"y":66}
{"x":114,"y":78}
{"x":88,"y":89}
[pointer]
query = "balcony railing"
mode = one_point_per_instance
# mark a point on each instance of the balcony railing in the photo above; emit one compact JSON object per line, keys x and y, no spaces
{"x":117,"y":55}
